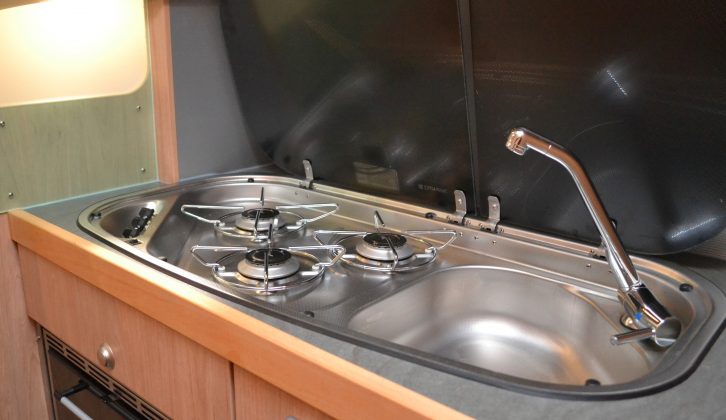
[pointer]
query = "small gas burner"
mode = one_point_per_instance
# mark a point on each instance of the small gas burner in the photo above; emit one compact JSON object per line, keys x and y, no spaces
{"x":384,"y":246}
{"x":270,"y":263}
{"x":254,"y":222}
{"x":386,"y":251}
{"x":259,"y":219}
{"x":265,"y":271}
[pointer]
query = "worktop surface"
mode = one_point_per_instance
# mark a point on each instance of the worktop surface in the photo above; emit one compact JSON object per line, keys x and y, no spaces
{"x":700,"y":396}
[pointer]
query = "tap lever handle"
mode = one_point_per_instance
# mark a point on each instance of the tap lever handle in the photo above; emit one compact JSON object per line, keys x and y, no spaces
{"x":631,"y":336}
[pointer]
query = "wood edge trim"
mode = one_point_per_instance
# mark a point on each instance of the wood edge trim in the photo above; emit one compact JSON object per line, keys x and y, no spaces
{"x":162,"y":78}
{"x":263,"y":350}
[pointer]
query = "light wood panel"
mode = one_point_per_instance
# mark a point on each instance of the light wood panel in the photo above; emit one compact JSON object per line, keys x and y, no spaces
{"x":257,"y":399}
{"x":338,"y":388}
{"x":22,"y":389}
{"x":63,"y":149}
{"x":4,"y":4}
{"x":178,"y":376}
{"x":163,"y":77}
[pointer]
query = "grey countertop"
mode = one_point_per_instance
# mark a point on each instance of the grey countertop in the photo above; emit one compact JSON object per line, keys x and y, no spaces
{"x":699,"y":397}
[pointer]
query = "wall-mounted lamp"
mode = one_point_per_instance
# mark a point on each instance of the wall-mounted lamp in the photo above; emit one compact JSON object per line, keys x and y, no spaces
{"x":58,"y":50}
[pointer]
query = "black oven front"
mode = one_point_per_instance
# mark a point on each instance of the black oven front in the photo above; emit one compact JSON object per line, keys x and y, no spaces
{"x":80,"y":390}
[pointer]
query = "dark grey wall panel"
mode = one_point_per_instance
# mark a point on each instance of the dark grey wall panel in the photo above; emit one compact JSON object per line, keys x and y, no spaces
{"x":371,"y":92}
{"x":374,"y":94}
{"x":637,"y":90}
{"x":211,"y":132}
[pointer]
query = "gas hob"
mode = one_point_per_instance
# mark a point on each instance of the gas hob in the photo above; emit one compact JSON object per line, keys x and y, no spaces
{"x":439,"y":288}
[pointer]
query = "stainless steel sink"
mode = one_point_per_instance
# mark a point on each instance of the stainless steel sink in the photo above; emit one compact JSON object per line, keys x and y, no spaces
{"x":511,"y":308}
{"x":510,"y":322}
{"x":538,"y":332}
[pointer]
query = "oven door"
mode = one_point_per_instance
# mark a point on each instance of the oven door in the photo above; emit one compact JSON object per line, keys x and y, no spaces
{"x":82,"y":391}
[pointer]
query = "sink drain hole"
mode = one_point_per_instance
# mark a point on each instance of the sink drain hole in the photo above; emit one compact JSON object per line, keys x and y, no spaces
{"x":685,"y":287}
{"x":309,"y":314}
{"x":592,"y":382}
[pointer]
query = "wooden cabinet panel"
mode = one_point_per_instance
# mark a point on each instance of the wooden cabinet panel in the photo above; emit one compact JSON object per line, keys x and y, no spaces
{"x":258,"y":399}
{"x":178,"y":376}
{"x":22,"y":391}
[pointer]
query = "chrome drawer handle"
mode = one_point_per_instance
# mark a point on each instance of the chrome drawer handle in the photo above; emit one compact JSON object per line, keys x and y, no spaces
{"x":105,"y":356}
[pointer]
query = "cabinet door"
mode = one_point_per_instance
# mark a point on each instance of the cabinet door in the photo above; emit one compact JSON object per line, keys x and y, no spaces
{"x":173,"y":373}
{"x":258,"y":399}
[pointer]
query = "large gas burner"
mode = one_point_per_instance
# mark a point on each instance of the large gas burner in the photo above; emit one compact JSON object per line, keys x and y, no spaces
{"x":265,"y":271}
{"x":254,"y":223}
{"x":384,"y":250}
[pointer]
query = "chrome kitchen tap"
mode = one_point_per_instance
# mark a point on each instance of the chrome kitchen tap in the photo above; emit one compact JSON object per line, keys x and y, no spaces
{"x":644,"y":314}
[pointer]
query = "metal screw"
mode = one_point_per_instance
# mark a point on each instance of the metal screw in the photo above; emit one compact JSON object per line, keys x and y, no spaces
{"x":138,"y":108}
{"x":11,"y":195}
{"x":494,"y":242}
{"x":588,"y":265}
{"x":143,"y":170}
{"x":685,"y":287}
{"x":592,"y":382}
{"x":2,"y":124}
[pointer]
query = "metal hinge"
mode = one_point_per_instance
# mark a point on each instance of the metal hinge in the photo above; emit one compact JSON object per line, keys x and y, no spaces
{"x":492,"y":221}
{"x":459,"y":216}
{"x":600,"y":252}
{"x":309,"y":176}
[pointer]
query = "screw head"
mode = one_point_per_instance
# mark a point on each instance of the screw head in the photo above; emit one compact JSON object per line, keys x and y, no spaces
{"x":11,"y":195}
{"x":138,"y":108}
{"x":592,"y":382}
{"x":143,"y":170}
{"x":2,"y":124}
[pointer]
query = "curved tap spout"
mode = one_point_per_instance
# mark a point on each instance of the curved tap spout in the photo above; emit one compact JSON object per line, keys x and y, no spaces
{"x":639,"y":302}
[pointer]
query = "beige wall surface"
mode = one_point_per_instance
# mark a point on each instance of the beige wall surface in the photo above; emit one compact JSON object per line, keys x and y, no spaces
{"x":63,"y":149}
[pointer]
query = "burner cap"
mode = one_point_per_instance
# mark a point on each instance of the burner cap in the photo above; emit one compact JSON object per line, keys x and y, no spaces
{"x":275,"y":256}
{"x":264,"y":212}
{"x":280,"y":264}
{"x":246,"y":220}
{"x":385,"y":240}
{"x":377,"y":246}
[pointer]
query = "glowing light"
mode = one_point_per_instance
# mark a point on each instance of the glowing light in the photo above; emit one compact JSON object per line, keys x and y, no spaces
{"x":68,"y":49}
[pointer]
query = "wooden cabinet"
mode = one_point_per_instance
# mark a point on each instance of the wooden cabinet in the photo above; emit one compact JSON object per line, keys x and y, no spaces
{"x":178,"y":376}
{"x":22,"y":391}
{"x":89,"y":295}
{"x":175,"y":374}
{"x":258,"y":399}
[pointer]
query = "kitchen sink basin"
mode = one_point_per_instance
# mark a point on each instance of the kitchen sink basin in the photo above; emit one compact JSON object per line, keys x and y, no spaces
{"x":511,"y":308}
{"x":535,"y":331}
{"x":511,"y":322}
